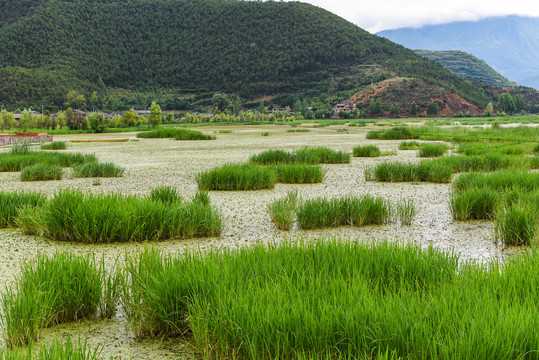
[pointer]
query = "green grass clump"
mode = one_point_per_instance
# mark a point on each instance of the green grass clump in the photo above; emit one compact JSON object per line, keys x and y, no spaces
{"x":394,"y":133}
{"x":536,"y":149}
{"x":51,"y":289}
{"x":41,"y":172}
{"x":366,"y":151}
{"x":174,"y":133}
{"x":12,"y":202}
{"x":409,"y":145}
{"x":22,"y":148}
{"x":499,"y":181}
{"x":103,"y":218}
{"x":297,"y":130}
{"x":11,"y":162}
{"x":237,"y":177}
{"x":95,"y":169}
{"x":347,"y":210}
{"x":432,"y":150}
{"x":321,"y":155}
{"x":56,"y":350}
{"x":299,"y":174}
{"x":474,"y":204}
{"x":271,"y":157}
{"x":312,"y":156}
{"x":282,"y":211}
{"x":402,"y":172}
{"x":166,"y":195}
{"x":405,"y":211}
{"x":518,"y":224}
{"x":55,"y":145}
{"x":265,"y":133}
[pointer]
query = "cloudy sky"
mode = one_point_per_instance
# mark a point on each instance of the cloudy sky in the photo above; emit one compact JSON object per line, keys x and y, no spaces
{"x":377,"y":15}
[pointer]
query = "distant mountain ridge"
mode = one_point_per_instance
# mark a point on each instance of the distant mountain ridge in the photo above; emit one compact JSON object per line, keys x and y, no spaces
{"x":248,"y":48}
{"x":509,"y":44}
{"x":466,"y":65}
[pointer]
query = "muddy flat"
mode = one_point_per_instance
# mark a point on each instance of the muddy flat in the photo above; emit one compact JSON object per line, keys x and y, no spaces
{"x":154,"y":162}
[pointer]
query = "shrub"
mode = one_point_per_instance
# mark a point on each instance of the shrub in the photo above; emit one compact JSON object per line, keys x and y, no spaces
{"x":237,"y":177}
{"x":282,"y":211}
{"x":95,"y":169}
{"x":55,"y":145}
{"x":41,"y":172}
{"x":366,"y":151}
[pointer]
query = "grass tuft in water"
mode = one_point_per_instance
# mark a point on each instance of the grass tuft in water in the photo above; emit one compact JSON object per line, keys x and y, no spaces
{"x":366,"y":151}
{"x":282,"y":211}
{"x":166,"y":195}
{"x":95,"y":169}
{"x":432,"y":150}
{"x":12,"y":202}
{"x":41,"y":172}
{"x":237,"y":177}
{"x":55,"y":145}
{"x":174,"y":133}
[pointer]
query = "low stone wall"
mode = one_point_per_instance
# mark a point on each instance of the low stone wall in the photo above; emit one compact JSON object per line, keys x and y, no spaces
{"x":32,"y":138}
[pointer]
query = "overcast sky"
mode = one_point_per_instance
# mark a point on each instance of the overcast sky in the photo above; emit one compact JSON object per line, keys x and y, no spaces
{"x":377,"y":15}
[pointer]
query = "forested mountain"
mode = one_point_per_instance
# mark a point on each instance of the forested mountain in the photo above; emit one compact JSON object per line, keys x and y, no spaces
{"x":49,"y":47}
{"x":508,"y":44}
{"x":467,"y":66}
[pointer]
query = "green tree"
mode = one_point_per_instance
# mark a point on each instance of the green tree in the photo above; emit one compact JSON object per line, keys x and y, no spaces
{"x":70,"y":118}
{"x":376,"y":107}
{"x":156,"y":114}
{"x":169,"y":118}
{"x":261,"y":108}
{"x":394,"y":110}
{"x":7,"y":120}
{"x":413,"y":108}
{"x":220,"y":102}
{"x":60,"y":119}
{"x":96,"y":121}
{"x":238,"y":104}
{"x":25,"y":120}
{"x":130,"y":118}
{"x":75,"y":98}
{"x":432,"y":108}
{"x":489,"y":110}
{"x":506,"y":103}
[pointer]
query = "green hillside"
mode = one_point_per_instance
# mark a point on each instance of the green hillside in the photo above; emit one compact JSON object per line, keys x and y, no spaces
{"x":466,"y":65}
{"x":187,"y":48}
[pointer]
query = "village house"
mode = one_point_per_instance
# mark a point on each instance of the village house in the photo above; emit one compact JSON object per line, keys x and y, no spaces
{"x":343,"y":107}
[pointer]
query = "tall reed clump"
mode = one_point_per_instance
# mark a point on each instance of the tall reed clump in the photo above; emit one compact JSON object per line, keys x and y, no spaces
{"x":299,"y":174}
{"x":395,"y":133}
{"x":282,"y":211}
{"x":95,"y":169}
{"x":166,"y":195}
{"x":41,"y":172}
{"x":340,"y":211}
{"x":10,"y":162}
{"x":336,"y":299}
{"x":237,"y":177}
{"x":174,"y":133}
{"x":56,"y":350}
{"x":409,"y":145}
{"x":321,"y":155}
{"x":474,"y":204}
{"x":405,"y":211}
{"x":511,"y":197}
{"x":72,"y":215}
{"x":51,"y":289}
{"x":432,"y":150}
{"x":55,"y":145}
{"x":12,"y":202}
{"x":403,"y":172}
{"x":313,"y":156}
{"x":366,"y":151}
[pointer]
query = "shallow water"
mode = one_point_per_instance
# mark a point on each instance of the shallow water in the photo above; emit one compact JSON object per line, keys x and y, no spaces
{"x":153,"y":162}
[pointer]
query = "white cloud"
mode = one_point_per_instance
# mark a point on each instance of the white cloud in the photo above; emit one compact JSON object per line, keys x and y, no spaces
{"x":380,"y":15}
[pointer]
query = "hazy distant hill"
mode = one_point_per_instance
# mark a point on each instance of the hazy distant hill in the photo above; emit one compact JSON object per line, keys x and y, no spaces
{"x":466,"y":65}
{"x":248,"y":48}
{"x":509,"y":44}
